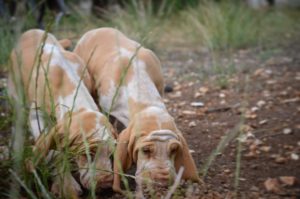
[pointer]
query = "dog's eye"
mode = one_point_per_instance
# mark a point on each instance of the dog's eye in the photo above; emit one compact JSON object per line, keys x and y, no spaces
{"x":147,"y":150}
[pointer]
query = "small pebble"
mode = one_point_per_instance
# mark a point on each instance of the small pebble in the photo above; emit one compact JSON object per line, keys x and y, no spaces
{"x":263,"y":122}
{"x":222,"y":95}
{"x":287,"y":131}
{"x":261,"y":103}
{"x":197,"y":104}
{"x":294,"y":156}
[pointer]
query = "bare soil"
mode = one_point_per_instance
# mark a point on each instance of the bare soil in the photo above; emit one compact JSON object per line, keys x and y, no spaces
{"x":263,"y":98}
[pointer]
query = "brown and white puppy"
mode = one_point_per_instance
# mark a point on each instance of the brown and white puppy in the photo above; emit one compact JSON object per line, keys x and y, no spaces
{"x":55,"y":83}
{"x":151,"y":138}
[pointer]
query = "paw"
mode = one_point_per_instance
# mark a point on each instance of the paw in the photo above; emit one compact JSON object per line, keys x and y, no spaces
{"x":66,"y":187}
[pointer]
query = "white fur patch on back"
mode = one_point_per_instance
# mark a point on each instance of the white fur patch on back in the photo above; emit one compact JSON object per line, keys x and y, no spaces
{"x":120,"y":108}
{"x":81,"y":94}
{"x":58,"y":59}
{"x":140,"y":88}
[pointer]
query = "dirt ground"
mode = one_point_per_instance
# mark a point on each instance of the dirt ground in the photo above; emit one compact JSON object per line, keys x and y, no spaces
{"x":261,"y":98}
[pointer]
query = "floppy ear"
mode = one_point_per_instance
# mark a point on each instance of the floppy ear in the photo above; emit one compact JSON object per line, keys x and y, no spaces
{"x":185,"y":159}
{"x":122,"y":158}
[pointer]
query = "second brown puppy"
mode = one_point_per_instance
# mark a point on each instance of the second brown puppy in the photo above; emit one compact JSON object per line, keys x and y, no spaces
{"x":129,"y":83}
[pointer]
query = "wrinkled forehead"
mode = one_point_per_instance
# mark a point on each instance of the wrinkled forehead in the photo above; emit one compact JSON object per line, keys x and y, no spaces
{"x":163,"y":135}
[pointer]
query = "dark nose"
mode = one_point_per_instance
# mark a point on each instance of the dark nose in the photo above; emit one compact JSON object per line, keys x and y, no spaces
{"x":105,"y":181}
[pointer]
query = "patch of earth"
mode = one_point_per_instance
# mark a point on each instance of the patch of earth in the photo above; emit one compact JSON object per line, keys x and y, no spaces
{"x":263,"y":98}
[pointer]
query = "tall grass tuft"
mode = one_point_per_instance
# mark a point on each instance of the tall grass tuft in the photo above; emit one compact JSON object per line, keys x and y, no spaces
{"x":223,"y":25}
{"x":140,"y":21}
{"x":226,"y":24}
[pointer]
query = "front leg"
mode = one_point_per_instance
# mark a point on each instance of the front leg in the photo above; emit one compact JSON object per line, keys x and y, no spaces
{"x":121,"y":160}
{"x":66,"y":186}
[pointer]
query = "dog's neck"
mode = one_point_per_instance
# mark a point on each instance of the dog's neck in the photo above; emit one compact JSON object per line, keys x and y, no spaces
{"x":154,"y":119}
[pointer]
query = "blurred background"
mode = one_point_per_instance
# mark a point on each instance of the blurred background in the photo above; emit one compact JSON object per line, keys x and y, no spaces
{"x":212,"y":24}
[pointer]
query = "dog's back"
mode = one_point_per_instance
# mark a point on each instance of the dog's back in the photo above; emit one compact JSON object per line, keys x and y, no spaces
{"x":54,"y":80}
{"x":111,"y":57}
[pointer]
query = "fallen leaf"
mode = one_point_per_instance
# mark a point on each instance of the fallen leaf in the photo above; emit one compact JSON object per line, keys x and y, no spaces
{"x":192,"y":124}
{"x":192,"y":151}
{"x":187,"y":112}
{"x":262,"y":122}
{"x":222,"y":102}
{"x":181,"y":103}
{"x":254,"y":109}
{"x":258,"y":71}
{"x":250,"y":115}
{"x":246,"y":128}
{"x":227,"y":171}
{"x":222,"y":95}
{"x":296,"y":99}
{"x":272,"y":185}
{"x":294,"y":156}
{"x":288,"y":180}
{"x":254,"y":188}
{"x":283,"y":93}
{"x":190,"y":84}
{"x":176,"y":94}
{"x":246,"y":137}
{"x":266,"y":93}
{"x":253,"y":147}
{"x":280,"y":160}
{"x":268,"y":71}
{"x":197,"y":94}
{"x":287,"y":131}
{"x":258,"y":141}
{"x":177,"y":87}
{"x":271,"y":81}
{"x":197,"y":104}
{"x":265,"y":148}
{"x":261,"y":103}
{"x":250,"y":155}
{"x":203,"y":89}
{"x":166,"y":101}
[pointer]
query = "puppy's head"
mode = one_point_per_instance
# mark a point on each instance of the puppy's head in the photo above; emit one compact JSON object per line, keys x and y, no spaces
{"x":159,"y":150}
{"x":96,"y":167}
{"x":97,"y":147}
{"x":90,"y":138}
{"x":155,"y":155}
